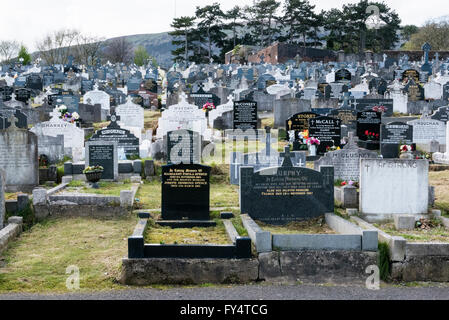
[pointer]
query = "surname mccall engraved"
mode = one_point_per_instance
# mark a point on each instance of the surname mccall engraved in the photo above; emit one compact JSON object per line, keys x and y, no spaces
{"x":185,"y":178}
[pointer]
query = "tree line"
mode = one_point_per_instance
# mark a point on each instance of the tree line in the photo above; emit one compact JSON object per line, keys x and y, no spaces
{"x":56,"y":48}
{"x":212,"y":32}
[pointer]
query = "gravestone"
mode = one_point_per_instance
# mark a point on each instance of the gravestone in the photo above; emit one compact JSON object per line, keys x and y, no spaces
{"x":183,"y":146}
{"x":443,"y":158}
{"x":284,"y":194}
{"x":6,"y":113}
{"x":73,"y":136}
{"x":103,"y":153}
{"x":268,"y":157}
{"x":426,"y":130}
{"x":446,"y":92}
{"x":404,"y":186}
{"x":299,"y":122}
{"x":185,"y":192}
{"x":245,"y":115}
{"x":347,"y":116}
{"x":346,"y":162}
{"x":393,"y":135}
{"x":19,"y":158}
{"x":52,"y":147}
{"x":342,"y":75}
{"x":327,"y":130}
{"x":131,"y":114}
{"x":124,"y":138}
{"x":442,"y":114}
{"x":364,"y":104}
{"x":368,"y":129}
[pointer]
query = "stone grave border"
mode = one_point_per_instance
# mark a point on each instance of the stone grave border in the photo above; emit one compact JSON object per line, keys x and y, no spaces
{"x":414,"y":261}
{"x":137,"y":249}
{"x":50,"y":203}
{"x":349,"y":238}
{"x":13,"y":229}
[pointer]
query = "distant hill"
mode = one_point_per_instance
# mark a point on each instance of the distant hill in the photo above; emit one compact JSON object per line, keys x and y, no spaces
{"x":158,"y":45}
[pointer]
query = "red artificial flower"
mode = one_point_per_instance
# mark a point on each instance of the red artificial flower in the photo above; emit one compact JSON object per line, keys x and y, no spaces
{"x":343,"y":183}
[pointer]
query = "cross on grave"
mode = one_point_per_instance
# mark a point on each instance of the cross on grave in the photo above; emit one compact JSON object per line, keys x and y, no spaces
{"x":55,"y":113}
{"x":287,"y":162}
{"x":346,"y":99}
{"x":262,"y":58}
{"x":12,"y":120}
{"x":113,"y":118}
{"x":426,"y":48}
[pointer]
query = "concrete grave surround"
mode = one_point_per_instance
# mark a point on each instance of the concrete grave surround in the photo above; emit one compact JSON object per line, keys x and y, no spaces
{"x":104,"y":143}
{"x":391,"y":187}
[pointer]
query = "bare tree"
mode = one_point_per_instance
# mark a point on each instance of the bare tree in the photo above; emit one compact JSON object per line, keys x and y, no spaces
{"x":8,"y":49}
{"x":119,"y":50}
{"x":56,"y":47}
{"x":88,"y":49}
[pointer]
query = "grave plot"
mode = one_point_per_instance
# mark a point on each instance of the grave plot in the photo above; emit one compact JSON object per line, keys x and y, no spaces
{"x":418,"y":247}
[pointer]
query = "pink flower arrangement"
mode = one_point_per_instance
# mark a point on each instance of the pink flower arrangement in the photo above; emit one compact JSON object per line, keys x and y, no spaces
{"x":313,"y":141}
{"x":379,"y":109}
{"x":208,"y":106}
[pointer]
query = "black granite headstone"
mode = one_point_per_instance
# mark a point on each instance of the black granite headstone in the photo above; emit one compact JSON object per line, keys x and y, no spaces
{"x":393,"y":135}
{"x":183,"y":146}
{"x":185,"y":192}
{"x":342,"y":75}
{"x":368,"y":129}
{"x":441,"y":114}
{"x":103,"y":155}
{"x":327,"y":130}
{"x":363,"y":104}
{"x":245,"y":115}
{"x":299,"y":122}
{"x":284,"y":194}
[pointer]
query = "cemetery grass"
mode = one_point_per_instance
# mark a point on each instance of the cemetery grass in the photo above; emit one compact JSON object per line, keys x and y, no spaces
{"x":312,"y":226}
{"x":435,"y":233}
{"x":37,"y":260}
{"x":106,"y":188}
{"x":156,"y":234}
{"x":440,"y":180}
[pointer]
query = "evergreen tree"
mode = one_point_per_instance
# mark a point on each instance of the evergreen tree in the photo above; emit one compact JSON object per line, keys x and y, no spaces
{"x":299,"y":20}
{"x":23,"y":53}
{"x":211,"y":20}
{"x":183,"y":28}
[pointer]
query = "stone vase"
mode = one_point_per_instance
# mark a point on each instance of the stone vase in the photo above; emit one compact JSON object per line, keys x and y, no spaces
{"x":312,"y":150}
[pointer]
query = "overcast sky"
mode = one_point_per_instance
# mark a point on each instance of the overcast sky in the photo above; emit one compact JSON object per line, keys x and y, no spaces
{"x":27,"y":21}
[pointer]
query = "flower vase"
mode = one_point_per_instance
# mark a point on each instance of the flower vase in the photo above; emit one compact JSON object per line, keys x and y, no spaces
{"x":312,"y":150}
{"x":406,"y":155}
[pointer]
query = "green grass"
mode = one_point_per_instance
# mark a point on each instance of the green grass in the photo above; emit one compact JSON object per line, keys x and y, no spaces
{"x":384,"y":261}
{"x":438,"y":233}
{"x":37,"y":260}
{"x":108,"y":188}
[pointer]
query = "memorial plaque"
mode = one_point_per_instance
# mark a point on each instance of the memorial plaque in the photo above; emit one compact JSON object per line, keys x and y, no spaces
{"x":346,"y":162}
{"x":245,"y":115}
{"x":185,"y":192}
{"x":393,"y":135}
{"x":348,"y":117}
{"x":410,"y":74}
{"x":364,"y":104}
{"x":124,"y":138}
{"x":104,"y":155}
{"x":343,"y":75}
{"x":426,"y":130}
{"x":183,"y":146}
{"x":284,"y":194}
{"x":368,"y":125}
{"x":327,"y":130}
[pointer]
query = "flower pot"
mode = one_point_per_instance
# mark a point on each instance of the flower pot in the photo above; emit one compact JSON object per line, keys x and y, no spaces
{"x":94,"y":177}
{"x":407,"y":155}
